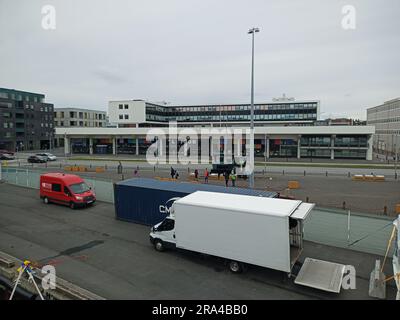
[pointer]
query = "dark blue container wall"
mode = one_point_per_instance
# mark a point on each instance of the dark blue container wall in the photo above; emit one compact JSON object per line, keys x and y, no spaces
{"x":142,"y":205}
{"x":139,"y":200}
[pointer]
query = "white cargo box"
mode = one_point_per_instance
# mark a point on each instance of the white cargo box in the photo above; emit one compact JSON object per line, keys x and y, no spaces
{"x":249,"y":229}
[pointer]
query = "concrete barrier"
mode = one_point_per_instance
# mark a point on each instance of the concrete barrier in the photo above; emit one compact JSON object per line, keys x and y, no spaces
{"x":368,"y":177}
{"x":293,"y":185}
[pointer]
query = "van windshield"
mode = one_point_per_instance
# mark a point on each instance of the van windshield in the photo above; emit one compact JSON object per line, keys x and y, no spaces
{"x":78,"y":188}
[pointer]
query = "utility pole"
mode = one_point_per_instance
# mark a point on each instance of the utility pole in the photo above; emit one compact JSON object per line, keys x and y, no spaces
{"x":251,"y":178}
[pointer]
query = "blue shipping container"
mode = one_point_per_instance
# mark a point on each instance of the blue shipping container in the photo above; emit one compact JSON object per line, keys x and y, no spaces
{"x":147,"y":201}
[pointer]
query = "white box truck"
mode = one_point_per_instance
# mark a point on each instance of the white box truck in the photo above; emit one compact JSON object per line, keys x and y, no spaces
{"x":242,"y":229}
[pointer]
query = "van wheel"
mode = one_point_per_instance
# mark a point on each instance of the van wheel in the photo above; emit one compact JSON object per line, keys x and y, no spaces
{"x":72,"y":205}
{"x":235,"y":266}
{"x":159,"y":245}
{"x":46,"y":200}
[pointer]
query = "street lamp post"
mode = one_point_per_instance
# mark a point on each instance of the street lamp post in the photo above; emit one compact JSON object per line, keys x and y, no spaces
{"x":251,"y":178}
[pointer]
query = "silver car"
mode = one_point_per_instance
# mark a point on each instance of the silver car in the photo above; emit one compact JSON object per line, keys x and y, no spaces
{"x":49,"y":156}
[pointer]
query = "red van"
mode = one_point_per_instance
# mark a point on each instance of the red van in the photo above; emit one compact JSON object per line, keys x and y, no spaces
{"x":67,"y":189}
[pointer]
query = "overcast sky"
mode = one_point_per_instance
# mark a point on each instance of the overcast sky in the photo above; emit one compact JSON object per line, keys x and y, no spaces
{"x":199,"y":52}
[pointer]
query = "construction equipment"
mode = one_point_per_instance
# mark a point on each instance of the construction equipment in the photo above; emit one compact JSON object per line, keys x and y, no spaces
{"x":25,"y":267}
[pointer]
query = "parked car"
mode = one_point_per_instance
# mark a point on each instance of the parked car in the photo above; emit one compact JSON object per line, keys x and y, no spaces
{"x":49,"y":156}
{"x":37,"y":159}
{"x":3,"y":151}
{"x":66,"y":189}
{"x":6,"y":156}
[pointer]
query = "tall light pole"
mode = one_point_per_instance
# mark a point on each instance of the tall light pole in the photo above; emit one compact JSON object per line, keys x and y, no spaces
{"x":251,"y":178}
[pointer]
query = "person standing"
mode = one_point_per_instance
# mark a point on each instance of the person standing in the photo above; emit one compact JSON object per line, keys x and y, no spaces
{"x":196,"y":174}
{"x":226,"y":175}
{"x":233,"y":178}
{"x":172,"y":173}
{"x":206,"y":174}
{"x":119,"y":168}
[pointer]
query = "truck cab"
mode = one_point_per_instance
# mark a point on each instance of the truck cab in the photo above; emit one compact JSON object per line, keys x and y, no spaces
{"x":162,"y":235}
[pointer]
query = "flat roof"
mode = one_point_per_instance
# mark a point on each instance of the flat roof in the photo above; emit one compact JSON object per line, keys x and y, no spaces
{"x":20,"y":91}
{"x":188,"y":187}
{"x":242,"y":203}
{"x":78,"y":109}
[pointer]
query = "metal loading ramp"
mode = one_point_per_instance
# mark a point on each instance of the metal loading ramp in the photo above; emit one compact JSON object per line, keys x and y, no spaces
{"x":319,"y":274}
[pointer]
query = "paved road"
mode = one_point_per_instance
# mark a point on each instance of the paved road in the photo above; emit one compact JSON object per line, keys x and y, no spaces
{"x":294,"y":169}
{"x":115,"y":259}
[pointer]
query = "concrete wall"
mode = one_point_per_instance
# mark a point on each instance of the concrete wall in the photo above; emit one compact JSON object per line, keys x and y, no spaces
{"x":135,"y":110}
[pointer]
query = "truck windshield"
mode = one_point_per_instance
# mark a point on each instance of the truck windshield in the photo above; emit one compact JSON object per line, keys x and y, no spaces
{"x":78,"y":188}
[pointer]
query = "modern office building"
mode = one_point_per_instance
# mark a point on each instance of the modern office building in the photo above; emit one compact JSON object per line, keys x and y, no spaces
{"x":26,"y":121}
{"x":282,"y":129}
{"x":386,"y":119}
{"x":139,"y":113}
{"x":78,"y":117}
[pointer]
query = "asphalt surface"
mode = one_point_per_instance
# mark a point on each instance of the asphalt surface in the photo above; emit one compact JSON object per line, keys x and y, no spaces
{"x":114,"y":259}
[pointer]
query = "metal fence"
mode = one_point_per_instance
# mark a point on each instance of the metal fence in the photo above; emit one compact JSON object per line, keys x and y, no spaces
{"x":360,"y":232}
{"x":31,"y":179}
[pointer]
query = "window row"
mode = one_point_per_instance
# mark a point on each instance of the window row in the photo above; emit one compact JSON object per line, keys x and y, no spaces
{"x":242,"y":117}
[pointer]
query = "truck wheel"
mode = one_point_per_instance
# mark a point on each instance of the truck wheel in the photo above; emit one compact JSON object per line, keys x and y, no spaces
{"x":72,"y":205}
{"x":235,"y":266}
{"x":159,"y":245}
{"x":46,"y":200}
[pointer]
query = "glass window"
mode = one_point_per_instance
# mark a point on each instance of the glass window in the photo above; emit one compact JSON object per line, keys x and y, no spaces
{"x":56,"y":187}
{"x":79,"y":188}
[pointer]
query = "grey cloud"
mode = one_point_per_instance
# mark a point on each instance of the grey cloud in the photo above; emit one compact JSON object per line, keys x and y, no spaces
{"x":187,"y":51}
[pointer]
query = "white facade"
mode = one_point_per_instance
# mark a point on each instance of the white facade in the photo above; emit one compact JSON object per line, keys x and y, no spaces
{"x":127,"y":112}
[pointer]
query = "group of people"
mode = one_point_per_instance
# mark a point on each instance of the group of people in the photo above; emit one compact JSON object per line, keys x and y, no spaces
{"x":174,"y":173}
{"x":230,"y":176}
{"x":227,"y":175}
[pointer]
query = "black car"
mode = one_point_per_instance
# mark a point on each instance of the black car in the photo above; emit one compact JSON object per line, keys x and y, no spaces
{"x":37,"y":159}
{"x":6,"y":156}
